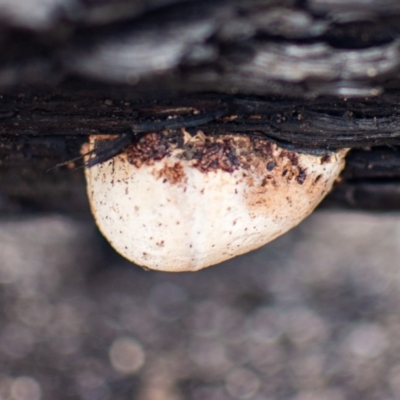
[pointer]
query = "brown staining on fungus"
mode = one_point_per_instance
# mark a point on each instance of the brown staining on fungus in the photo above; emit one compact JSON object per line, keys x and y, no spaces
{"x":219,"y":155}
{"x":291,"y":156}
{"x":205,"y":154}
{"x":211,"y":153}
{"x":171,"y":173}
{"x":148,"y":149}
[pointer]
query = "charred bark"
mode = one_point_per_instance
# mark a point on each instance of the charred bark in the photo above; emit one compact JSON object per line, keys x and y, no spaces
{"x":314,"y":75}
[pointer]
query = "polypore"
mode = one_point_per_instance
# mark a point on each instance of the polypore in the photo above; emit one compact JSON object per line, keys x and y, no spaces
{"x":172,"y":201}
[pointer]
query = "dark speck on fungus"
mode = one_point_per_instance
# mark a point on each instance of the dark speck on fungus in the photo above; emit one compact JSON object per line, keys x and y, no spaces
{"x":270,"y":166}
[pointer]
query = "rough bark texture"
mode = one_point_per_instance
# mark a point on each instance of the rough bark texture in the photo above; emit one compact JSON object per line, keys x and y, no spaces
{"x":316,"y":74}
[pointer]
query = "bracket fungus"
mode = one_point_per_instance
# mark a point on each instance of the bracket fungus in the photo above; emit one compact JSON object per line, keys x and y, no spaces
{"x":176,"y":201}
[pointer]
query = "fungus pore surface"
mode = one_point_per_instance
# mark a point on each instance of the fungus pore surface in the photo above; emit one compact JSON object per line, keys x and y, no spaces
{"x":173,"y":201}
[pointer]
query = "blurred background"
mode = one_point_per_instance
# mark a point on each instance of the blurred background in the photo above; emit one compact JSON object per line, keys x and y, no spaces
{"x":313,"y":315}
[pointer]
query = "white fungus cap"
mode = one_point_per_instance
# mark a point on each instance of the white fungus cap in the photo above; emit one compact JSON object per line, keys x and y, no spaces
{"x":176,"y":202}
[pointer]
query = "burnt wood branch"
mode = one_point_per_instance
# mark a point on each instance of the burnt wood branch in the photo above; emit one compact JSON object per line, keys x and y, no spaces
{"x":313,"y":75}
{"x":40,"y":130}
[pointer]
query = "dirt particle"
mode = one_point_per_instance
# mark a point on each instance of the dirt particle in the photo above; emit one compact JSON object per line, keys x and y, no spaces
{"x":270,"y":166}
{"x":301,"y":177}
{"x":263,"y":147}
{"x":264,"y":181}
{"x":325,"y":159}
